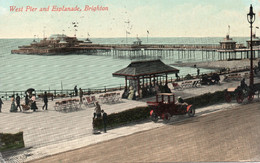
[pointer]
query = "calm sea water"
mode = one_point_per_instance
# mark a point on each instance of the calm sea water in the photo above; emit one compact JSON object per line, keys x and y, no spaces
{"x":19,"y":72}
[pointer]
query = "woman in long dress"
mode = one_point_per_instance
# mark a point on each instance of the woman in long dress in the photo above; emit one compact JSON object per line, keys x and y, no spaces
{"x":13,"y":107}
{"x":131,"y":93}
{"x":33,"y":105}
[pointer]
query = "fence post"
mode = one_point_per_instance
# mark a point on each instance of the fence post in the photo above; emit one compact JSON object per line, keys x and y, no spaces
{"x":120,"y":87}
{"x":5,"y":95}
{"x":105,"y":89}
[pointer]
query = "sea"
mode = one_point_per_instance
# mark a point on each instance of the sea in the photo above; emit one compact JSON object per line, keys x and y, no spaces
{"x":18,"y":72}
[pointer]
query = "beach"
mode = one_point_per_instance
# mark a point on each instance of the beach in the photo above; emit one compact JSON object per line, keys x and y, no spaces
{"x":232,"y":64}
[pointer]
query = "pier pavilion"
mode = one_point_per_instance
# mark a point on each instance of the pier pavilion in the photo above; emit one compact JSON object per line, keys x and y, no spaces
{"x":145,"y":70}
{"x":255,"y":41}
{"x":228,"y":44}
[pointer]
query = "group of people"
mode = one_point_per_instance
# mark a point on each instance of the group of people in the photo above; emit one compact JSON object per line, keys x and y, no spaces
{"x":97,"y":114}
{"x":80,"y":93}
{"x":16,"y":100}
{"x":30,"y":102}
{"x":145,"y":91}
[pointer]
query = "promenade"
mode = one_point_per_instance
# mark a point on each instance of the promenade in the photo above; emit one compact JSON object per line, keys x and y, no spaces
{"x":51,"y":132}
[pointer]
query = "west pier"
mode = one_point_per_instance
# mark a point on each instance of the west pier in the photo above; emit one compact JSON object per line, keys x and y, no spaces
{"x":61,"y":44}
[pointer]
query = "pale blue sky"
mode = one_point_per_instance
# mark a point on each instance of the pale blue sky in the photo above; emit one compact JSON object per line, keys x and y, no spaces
{"x":163,"y":18}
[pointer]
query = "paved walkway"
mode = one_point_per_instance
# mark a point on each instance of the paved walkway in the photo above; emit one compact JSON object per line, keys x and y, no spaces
{"x":50,"y":132}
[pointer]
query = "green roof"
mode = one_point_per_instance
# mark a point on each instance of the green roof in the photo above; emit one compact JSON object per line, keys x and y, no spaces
{"x":143,"y":68}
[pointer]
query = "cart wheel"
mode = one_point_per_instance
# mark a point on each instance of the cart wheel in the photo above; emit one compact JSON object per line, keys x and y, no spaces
{"x":166,"y":118}
{"x":240,"y":98}
{"x":228,"y":97}
{"x":250,"y":97}
{"x":154,"y":117}
{"x":191,"y":112}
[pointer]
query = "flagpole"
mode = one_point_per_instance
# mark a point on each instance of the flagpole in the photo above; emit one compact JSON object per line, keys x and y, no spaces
{"x":147,"y":35}
{"x":126,"y":37}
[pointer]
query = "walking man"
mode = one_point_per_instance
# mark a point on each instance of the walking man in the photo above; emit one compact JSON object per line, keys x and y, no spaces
{"x":198,"y":71}
{"x":45,"y":100}
{"x":17,"y":99}
{"x":80,"y":95}
{"x":104,"y":121}
{"x":1,"y":102}
{"x":76,"y":90}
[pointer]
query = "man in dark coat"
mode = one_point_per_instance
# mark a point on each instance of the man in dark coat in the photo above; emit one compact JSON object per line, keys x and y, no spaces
{"x":1,"y":102}
{"x":104,"y":120}
{"x":198,"y":71}
{"x":243,"y":84}
{"x":45,"y":100}
{"x":17,"y":99}
{"x":76,"y":90}
{"x":26,"y":99}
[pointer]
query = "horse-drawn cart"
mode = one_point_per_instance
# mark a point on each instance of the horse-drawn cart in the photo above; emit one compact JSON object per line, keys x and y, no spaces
{"x":240,"y":93}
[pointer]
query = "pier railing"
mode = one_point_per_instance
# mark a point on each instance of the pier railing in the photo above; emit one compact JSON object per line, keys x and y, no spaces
{"x":160,"y":46}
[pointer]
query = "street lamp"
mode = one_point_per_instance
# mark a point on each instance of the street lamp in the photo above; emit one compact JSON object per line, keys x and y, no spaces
{"x":251,"y":19}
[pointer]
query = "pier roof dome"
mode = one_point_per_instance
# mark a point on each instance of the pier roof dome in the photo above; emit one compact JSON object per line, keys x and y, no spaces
{"x":58,"y":36}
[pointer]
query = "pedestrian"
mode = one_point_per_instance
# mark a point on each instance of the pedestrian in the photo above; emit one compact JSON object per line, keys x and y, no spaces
{"x":177,"y":76}
{"x":13,"y":107}
{"x":17,"y":99}
{"x":1,"y":102}
{"x":26,"y":99}
{"x":45,"y":100}
{"x":131,"y":93}
{"x":80,"y":95}
{"x":259,"y":65}
{"x":255,"y":69}
{"x":104,"y":120}
{"x":76,"y":90}
{"x":198,"y":71}
{"x":33,"y":105}
{"x":243,"y":84}
{"x":97,"y":110}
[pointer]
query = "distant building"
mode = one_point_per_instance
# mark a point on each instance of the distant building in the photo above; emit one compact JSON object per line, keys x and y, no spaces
{"x":255,"y":41}
{"x":228,"y":43}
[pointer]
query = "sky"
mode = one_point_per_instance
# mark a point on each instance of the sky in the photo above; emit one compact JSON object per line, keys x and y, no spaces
{"x":162,"y":18}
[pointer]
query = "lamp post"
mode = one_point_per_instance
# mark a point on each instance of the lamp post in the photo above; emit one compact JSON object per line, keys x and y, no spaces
{"x":251,"y":19}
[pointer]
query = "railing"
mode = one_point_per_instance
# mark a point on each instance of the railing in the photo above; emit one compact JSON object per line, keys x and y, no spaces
{"x":61,"y":93}
{"x":70,"y":92}
{"x":188,"y":46}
